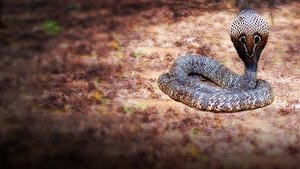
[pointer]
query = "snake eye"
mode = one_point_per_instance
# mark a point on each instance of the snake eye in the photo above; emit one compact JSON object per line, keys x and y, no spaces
{"x":257,"y":39}
{"x":242,"y":39}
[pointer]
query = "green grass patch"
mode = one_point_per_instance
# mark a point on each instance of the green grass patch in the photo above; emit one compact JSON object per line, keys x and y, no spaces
{"x":51,"y":27}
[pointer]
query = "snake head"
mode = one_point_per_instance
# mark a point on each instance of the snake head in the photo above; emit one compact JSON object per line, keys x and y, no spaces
{"x":249,"y":33}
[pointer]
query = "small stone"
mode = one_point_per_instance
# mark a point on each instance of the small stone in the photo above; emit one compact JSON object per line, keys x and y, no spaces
{"x":190,"y":40}
{"x":297,"y":107}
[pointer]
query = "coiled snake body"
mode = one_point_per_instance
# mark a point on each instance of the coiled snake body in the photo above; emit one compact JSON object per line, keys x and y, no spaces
{"x":230,"y":91}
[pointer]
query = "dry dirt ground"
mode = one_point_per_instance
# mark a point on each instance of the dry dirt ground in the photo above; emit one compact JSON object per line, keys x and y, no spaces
{"x":87,"y":96}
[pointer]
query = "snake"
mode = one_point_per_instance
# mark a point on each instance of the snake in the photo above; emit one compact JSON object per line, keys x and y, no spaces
{"x":204,"y":83}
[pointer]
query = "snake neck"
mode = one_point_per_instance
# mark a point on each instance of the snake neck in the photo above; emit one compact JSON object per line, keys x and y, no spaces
{"x":248,"y":80}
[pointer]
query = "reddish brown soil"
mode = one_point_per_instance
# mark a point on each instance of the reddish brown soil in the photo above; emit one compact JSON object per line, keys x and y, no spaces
{"x":87,"y":97}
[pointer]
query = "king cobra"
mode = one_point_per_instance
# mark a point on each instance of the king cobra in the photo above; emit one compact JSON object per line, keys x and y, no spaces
{"x":207,"y":85}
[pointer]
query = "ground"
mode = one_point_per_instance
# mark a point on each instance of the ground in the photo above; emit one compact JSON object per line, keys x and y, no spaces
{"x":78,"y":85}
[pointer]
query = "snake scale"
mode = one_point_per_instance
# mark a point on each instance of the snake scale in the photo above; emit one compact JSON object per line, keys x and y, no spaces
{"x":205,"y":84}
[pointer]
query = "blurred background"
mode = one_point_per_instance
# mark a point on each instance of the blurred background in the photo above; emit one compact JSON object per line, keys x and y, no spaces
{"x":78,"y":85}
